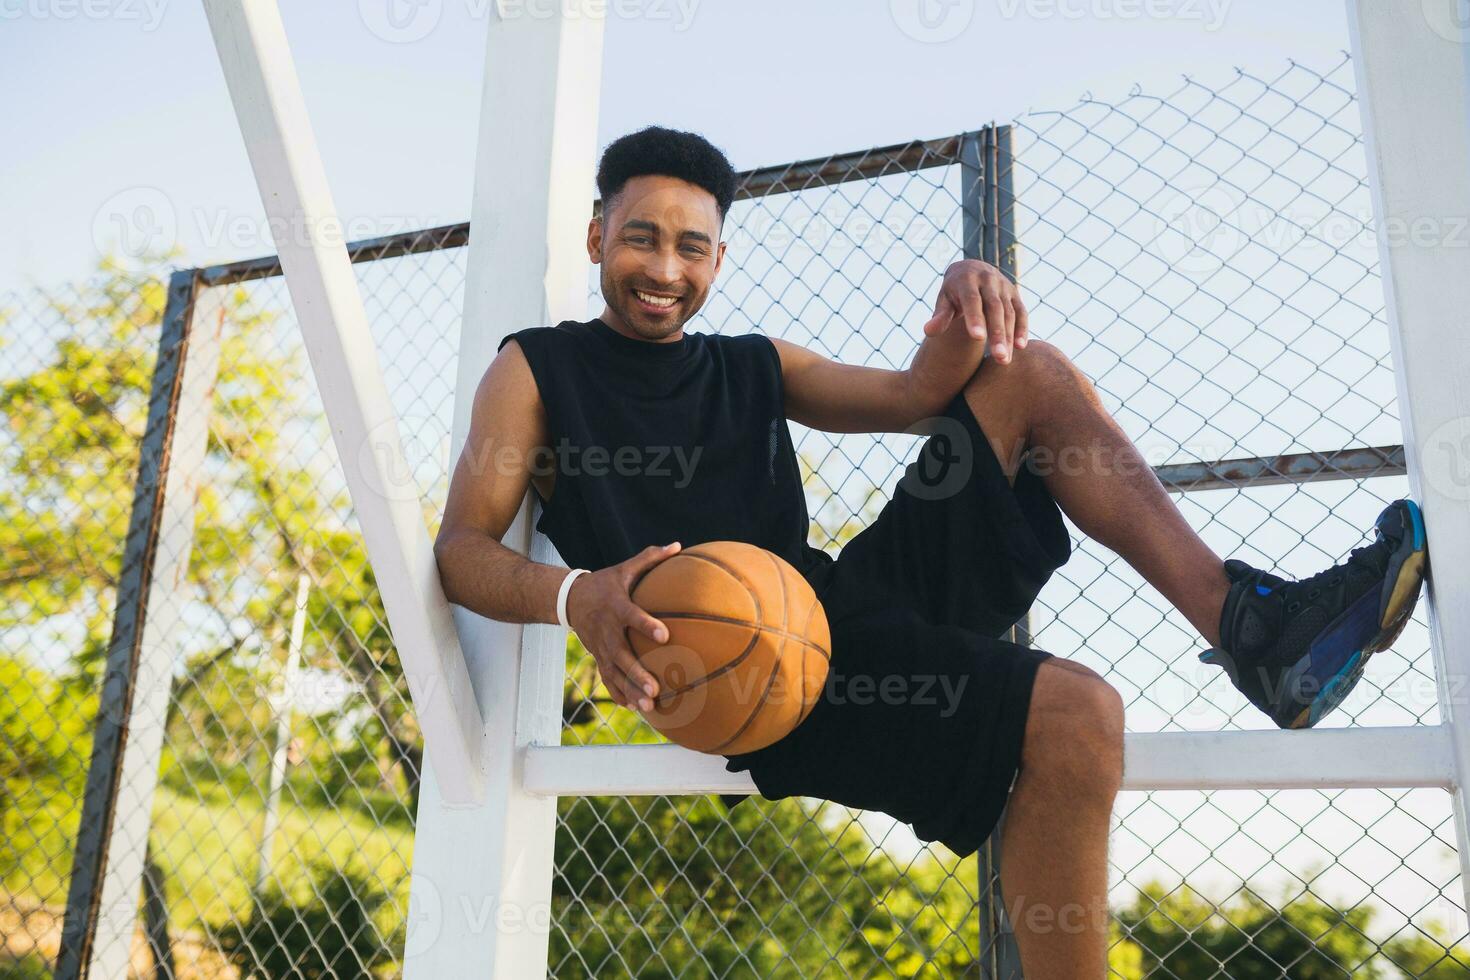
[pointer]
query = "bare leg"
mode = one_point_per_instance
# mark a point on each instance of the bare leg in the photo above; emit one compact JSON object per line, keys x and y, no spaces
{"x":1041,"y":402}
{"x":1054,"y":851}
{"x":1054,"y":855}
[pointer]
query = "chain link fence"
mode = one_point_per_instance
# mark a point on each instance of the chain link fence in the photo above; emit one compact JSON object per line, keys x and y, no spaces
{"x":1205,"y":255}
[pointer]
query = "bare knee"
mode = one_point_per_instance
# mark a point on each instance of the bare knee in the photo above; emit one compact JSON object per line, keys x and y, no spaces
{"x":1051,"y":372}
{"x":1039,"y":377}
{"x":1074,"y":732}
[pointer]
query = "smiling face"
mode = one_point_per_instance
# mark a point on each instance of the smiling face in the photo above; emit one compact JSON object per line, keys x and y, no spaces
{"x":660,"y":252}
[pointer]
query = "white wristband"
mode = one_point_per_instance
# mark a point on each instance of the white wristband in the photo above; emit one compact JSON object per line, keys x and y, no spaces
{"x":563,"y":592}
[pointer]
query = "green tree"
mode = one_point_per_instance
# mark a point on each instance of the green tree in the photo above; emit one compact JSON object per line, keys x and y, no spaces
{"x":262,"y":517}
{"x":1428,"y":954}
{"x":329,"y":931}
{"x":1177,"y":933}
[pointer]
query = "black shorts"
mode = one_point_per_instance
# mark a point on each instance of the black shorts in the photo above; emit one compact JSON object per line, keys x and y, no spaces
{"x":924,"y":708}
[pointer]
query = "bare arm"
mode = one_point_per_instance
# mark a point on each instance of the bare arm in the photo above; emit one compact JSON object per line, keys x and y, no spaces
{"x":508,"y":431}
{"x":836,"y":397}
{"x":507,"y":425}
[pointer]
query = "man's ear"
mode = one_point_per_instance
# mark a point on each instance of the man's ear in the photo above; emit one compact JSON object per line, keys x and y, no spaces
{"x":594,"y":239}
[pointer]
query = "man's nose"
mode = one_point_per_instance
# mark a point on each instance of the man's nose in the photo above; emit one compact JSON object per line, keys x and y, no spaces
{"x":662,"y":270}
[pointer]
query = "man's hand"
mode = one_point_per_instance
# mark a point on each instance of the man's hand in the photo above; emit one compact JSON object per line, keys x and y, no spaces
{"x":601,"y":612}
{"x":989,"y":306}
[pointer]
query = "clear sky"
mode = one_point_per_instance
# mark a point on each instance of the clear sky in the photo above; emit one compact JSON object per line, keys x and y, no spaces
{"x":113,"y":105}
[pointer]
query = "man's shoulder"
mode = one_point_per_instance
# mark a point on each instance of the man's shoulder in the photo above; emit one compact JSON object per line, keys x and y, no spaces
{"x":543,"y":334}
{"x":752,"y":340}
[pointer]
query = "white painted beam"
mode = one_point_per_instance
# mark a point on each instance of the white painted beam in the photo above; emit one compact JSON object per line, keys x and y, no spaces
{"x":258,"y":69}
{"x":1316,"y":759}
{"x":481,"y":887}
{"x":1329,"y":758}
{"x":1412,"y":60}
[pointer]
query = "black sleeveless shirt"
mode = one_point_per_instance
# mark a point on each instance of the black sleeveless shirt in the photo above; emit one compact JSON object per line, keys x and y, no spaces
{"x":653,"y":443}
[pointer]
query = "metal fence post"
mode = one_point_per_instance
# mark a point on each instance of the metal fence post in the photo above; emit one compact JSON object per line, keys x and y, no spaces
{"x":987,"y":201}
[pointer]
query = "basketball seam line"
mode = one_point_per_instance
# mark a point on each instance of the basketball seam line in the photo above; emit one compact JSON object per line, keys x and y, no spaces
{"x":754,"y":639}
{"x":775,"y":663}
{"x":712,"y":618}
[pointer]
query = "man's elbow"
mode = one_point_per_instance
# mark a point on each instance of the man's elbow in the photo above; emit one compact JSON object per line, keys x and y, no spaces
{"x":444,"y":543}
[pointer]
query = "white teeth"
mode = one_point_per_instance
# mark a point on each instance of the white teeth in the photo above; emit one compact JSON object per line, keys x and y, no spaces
{"x":656,"y":300}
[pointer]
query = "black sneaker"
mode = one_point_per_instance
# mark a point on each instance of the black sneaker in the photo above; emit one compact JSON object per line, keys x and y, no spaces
{"x":1295,"y":649}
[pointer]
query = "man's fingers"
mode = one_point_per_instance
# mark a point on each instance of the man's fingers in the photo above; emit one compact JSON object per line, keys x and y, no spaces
{"x":1023,"y":323}
{"x":636,"y":677}
{"x":1010,"y":311}
{"x":973,"y":310}
{"x":646,"y":559}
{"x":995,"y":322}
{"x":613,"y":680}
{"x":653,"y":554}
{"x":640,"y":620}
{"x":623,"y":691}
{"x":637,"y":619}
{"x":943,"y":313}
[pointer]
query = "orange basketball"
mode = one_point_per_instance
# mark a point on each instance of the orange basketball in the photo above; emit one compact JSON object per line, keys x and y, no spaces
{"x":748,"y":646}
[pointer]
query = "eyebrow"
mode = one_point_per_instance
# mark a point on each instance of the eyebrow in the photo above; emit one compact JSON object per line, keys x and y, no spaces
{"x":640,"y":225}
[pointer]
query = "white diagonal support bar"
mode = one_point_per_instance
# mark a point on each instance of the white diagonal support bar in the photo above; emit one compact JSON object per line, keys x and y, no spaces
{"x":1342,"y":758}
{"x":256,"y":59}
{"x":1412,"y":59}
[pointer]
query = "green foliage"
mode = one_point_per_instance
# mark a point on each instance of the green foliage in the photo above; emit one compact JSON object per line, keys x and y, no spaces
{"x":264,"y":515}
{"x":1429,"y":955}
{"x":79,"y":419}
{"x":26,"y":968}
{"x":44,"y":741}
{"x":679,"y":886}
{"x":663,"y":887}
{"x":41,"y":727}
{"x":1178,"y":933}
{"x":329,"y":932}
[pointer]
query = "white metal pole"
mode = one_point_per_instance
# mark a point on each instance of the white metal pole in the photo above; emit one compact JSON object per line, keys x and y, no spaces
{"x":480,"y":896}
{"x":1328,"y":758}
{"x":1412,"y":59}
{"x":256,"y":59}
{"x":283,"y":706}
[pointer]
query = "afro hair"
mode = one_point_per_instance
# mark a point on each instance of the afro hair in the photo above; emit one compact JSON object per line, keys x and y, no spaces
{"x":670,"y":153}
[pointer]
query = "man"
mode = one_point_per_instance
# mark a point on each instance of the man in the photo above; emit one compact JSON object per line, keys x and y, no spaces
{"x":639,"y":438}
